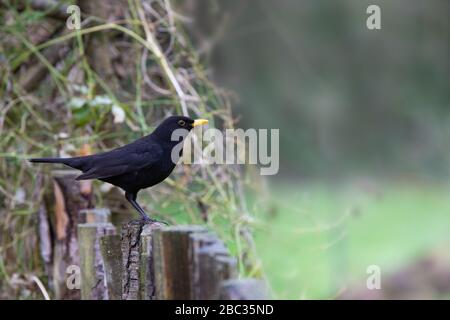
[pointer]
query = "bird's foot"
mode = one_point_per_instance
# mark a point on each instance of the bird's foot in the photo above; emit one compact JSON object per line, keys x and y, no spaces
{"x":147,"y":219}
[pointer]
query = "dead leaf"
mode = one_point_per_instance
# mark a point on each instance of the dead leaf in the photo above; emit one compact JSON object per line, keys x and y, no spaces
{"x":62,"y":218}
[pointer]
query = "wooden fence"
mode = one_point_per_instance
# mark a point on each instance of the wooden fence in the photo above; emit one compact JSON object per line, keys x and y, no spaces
{"x":144,"y":261}
{"x":153,"y":261}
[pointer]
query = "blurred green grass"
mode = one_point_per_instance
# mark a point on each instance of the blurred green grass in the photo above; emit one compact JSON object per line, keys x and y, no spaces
{"x":318,"y":240}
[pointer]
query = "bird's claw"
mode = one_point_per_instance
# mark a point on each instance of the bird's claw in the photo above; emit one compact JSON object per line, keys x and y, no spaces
{"x":147,"y":219}
{"x":162,"y":221}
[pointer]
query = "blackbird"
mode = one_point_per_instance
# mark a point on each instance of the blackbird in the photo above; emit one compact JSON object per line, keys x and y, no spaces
{"x":135,"y":166}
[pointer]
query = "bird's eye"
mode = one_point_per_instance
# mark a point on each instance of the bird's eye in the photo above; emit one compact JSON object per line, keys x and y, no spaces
{"x":182,"y":123}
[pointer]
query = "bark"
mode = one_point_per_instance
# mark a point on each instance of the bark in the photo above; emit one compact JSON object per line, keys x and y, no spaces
{"x":137,"y":260}
{"x":93,"y":278}
{"x":173,"y":262}
{"x":112,"y":260}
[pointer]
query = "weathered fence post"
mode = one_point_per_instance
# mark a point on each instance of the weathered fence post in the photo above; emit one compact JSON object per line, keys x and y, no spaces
{"x":172,"y":261}
{"x":149,"y":261}
{"x":93,"y":281}
{"x":196,"y":242}
{"x":110,"y":247}
{"x":94,"y":215}
{"x":214,"y":266}
{"x":130,"y":259}
{"x":135,"y":266}
{"x":243,"y":289}
{"x":147,"y":274}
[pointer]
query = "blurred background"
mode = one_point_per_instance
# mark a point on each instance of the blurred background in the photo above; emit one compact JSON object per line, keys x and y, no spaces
{"x":364,"y":138}
{"x":364,"y":125}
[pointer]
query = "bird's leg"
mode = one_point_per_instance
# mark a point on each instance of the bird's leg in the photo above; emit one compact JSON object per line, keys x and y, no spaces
{"x":131,"y":197}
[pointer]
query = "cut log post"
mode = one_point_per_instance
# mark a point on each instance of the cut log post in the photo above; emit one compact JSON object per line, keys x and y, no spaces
{"x":243,"y":289}
{"x":196,"y":242}
{"x":172,"y":261}
{"x":131,"y":233}
{"x":225,"y":269}
{"x":147,"y":284}
{"x":68,"y":201}
{"x":101,"y":215}
{"x":214,"y":266}
{"x":112,"y":261}
{"x":93,"y":280}
{"x":132,"y":265}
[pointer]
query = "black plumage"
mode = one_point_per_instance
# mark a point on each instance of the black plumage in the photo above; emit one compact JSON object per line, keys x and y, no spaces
{"x":135,"y":166}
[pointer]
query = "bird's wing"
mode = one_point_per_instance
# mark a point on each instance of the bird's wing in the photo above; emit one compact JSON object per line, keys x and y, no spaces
{"x":121,"y":161}
{"x":101,"y":173}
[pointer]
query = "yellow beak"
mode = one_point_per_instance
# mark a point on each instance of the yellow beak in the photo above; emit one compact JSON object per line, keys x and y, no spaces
{"x":199,"y":122}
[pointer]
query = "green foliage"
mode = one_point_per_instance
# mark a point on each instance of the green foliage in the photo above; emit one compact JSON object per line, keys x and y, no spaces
{"x":79,"y":101}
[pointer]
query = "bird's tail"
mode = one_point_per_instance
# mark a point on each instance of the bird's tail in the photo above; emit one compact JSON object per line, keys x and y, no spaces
{"x":50,"y":160}
{"x":76,"y":162}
